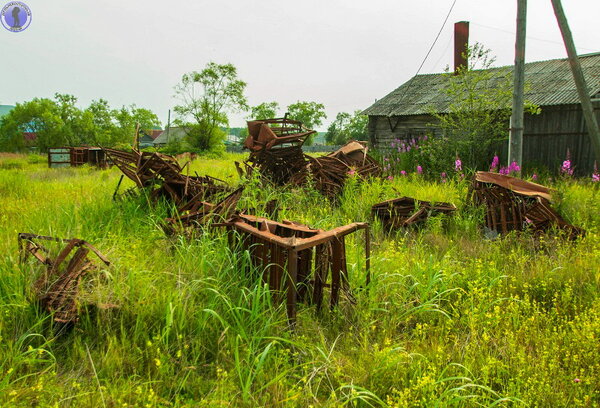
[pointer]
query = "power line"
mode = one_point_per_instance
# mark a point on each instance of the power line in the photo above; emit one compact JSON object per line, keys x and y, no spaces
{"x":436,"y":37}
{"x":528,"y":37}
{"x":428,"y":52}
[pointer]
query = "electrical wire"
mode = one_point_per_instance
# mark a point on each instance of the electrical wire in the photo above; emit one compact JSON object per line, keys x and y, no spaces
{"x":527,"y":37}
{"x":436,"y":37}
{"x":428,"y":52}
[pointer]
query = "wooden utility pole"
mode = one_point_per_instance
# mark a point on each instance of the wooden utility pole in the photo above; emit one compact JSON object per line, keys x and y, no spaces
{"x":515,"y":145}
{"x":168,"y":125}
{"x":582,"y":89}
{"x":136,"y":138}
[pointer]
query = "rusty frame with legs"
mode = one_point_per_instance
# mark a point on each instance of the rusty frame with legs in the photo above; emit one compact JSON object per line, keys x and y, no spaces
{"x":57,"y":287}
{"x":297,"y":259}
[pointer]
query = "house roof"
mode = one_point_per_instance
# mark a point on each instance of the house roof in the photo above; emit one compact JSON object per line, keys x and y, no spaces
{"x":547,"y":83}
{"x":170,"y":134}
{"x":155,"y":133}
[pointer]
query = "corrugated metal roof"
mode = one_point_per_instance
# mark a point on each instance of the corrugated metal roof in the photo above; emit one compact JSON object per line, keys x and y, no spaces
{"x":170,"y":135}
{"x":547,"y":83}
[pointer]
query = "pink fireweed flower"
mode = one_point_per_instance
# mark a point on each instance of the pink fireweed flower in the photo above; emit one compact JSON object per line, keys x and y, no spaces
{"x":596,"y":174}
{"x":403,"y":173}
{"x":566,"y":168}
{"x":390,"y":178}
{"x":419,"y":169}
{"x":351,"y":172}
{"x":514,"y":168}
{"x":457,"y":164}
{"x":534,"y":177}
{"x":503,"y":170}
{"x":495,"y":163}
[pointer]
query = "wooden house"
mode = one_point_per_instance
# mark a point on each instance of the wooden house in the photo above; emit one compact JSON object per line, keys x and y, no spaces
{"x":405,"y":113}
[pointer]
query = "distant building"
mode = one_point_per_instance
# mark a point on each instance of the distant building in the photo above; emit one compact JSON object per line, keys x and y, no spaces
{"x":233,"y":140}
{"x":147,"y":138}
{"x":405,"y":113}
{"x":169,"y":135}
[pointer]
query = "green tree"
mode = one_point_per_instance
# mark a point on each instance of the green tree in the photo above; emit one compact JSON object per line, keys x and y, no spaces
{"x":347,"y":127}
{"x":337,"y":130}
{"x":266,"y":110}
{"x":127,"y":118}
{"x":311,"y":114}
{"x":60,"y":122}
{"x":40,"y":116}
{"x":205,"y":98}
{"x":476,"y":121}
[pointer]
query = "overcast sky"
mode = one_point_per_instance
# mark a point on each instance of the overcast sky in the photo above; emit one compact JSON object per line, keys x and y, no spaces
{"x":344,"y":54}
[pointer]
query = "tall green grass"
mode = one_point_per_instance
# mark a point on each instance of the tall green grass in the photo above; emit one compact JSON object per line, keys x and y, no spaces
{"x":450,"y":319}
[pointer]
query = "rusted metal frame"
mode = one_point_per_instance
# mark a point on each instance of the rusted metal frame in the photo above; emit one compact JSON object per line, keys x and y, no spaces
{"x":61,"y":294}
{"x":299,"y":244}
{"x":416,"y":216}
{"x":322,"y":262}
{"x":336,"y":269}
{"x":304,"y":271}
{"x":78,"y":242}
{"x":292,"y":274}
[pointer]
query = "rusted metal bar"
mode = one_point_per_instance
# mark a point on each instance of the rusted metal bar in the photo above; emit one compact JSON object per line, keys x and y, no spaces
{"x":273,"y":242}
{"x":407,"y":211}
{"x":57,"y":287}
{"x":515,"y":204}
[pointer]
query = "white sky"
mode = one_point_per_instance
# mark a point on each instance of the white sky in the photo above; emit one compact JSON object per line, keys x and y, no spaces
{"x":344,"y":54}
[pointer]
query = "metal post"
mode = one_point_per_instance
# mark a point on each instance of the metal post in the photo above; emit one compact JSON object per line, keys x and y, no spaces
{"x":168,"y":124}
{"x":515,"y":145}
{"x":582,"y":89}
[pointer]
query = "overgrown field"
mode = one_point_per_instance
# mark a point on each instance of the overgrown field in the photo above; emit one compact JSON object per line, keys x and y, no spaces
{"x":451,"y":319}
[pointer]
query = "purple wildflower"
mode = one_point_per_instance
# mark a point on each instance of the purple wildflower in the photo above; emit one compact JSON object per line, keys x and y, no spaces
{"x":495,"y":163}
{"x":566,"y":168}
{"x":457,"y":164}
{"x":514,"y":167}
{"x":504,"y":170}
{"x":403,"y":173}
{"x":534,"y":177}
{"x":596,"y":174}
{"x":390,"y":178}
{"x":419,"y":169}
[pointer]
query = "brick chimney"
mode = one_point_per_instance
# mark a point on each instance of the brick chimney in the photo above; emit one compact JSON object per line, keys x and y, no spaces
{"x":461,"y":43}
